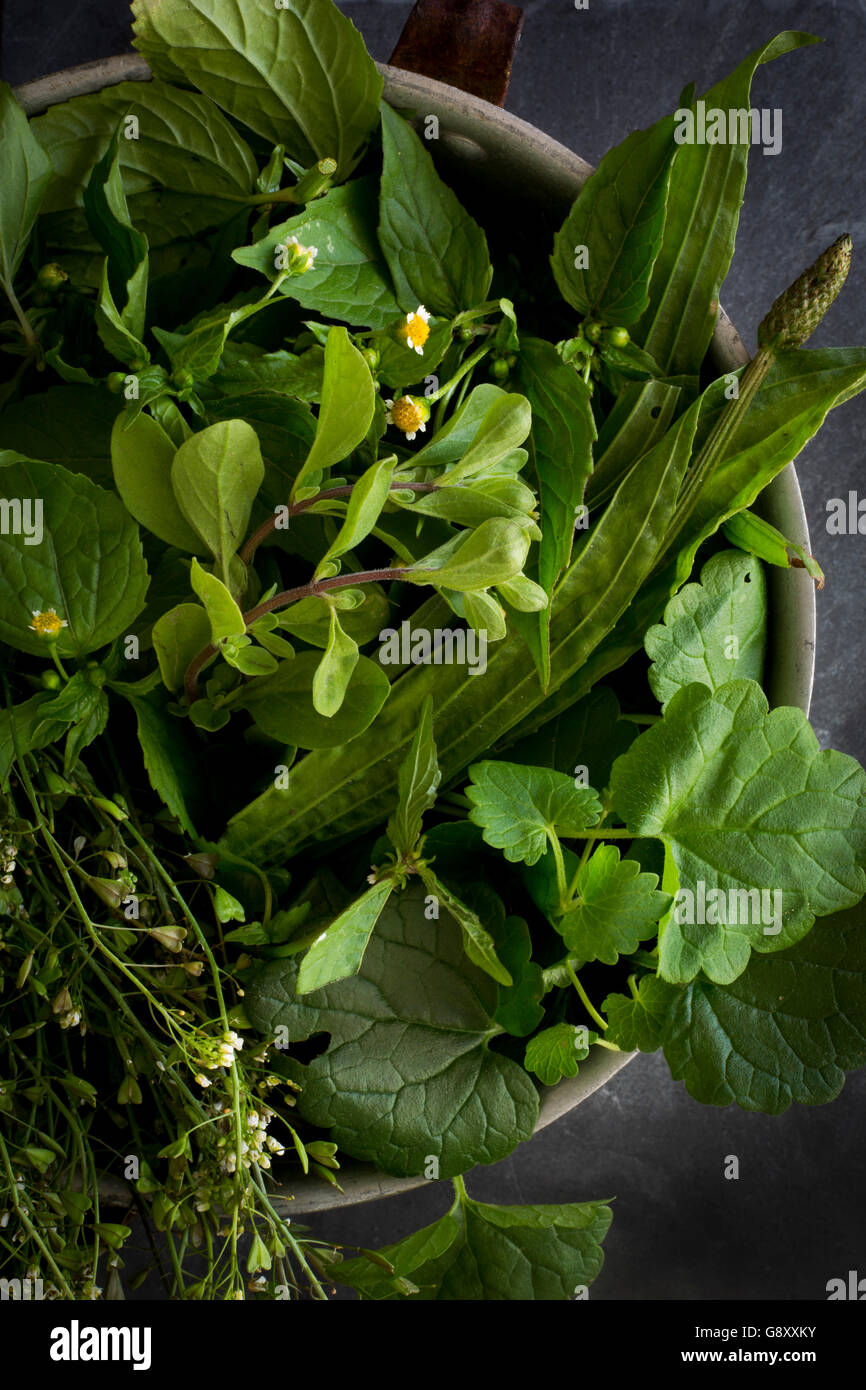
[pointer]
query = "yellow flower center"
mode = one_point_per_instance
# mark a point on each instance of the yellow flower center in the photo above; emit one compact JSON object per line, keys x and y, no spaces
{"x":47,"y":624}
{"x":413,"y":332}
{"x":406,"y":415}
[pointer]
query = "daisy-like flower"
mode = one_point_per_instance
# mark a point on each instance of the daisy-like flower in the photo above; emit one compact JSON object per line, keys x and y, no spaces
{"x":47,"y":624}
{"x":298,"y":259}
{"x":414,"y":330}
{"x":410,"y":414}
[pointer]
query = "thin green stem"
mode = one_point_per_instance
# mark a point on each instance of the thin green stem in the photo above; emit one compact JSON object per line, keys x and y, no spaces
{"x":584,"y":997}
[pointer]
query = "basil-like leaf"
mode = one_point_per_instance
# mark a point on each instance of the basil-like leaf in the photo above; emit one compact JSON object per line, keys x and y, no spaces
{"x":334,"y":670}
{"x":348,"y":399}
{"x":26,"y":177}
{"x":339,"y":951}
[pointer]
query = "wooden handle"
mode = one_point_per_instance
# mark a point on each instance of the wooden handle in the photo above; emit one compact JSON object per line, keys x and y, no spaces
{"x":469,"y":44}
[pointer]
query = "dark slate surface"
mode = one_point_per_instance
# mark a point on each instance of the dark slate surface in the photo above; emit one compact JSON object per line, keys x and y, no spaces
{"x":797,"y":1215}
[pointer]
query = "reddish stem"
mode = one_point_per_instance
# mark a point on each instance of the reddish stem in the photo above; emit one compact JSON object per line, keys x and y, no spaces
{"x":253,"y":542}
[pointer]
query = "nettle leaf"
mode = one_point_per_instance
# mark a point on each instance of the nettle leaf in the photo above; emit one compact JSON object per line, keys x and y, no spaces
{"x":523,"y":809}
{"x":348,"y":401}
{"x":417,"y":785}
{"x":178,"y":636}
{"x":224,"y":615}
{"x":786,"y":1031}
{"x":618,"y":218}
{"x":282,"y":704}
{"x":339,"y":951}
{"x":518,"y":1253}
{"x":169,"y":759}
{"x":216,"y":475}
{"x":334,"y":670}
{"x":636,"y":1022}
{"x":563,"y":432}
{"x":349,"y":279}
{"x":436,"y":253}
{"x":555,"y":1052}
{"x":299,"y":76}
{"x":408,"y":1073}
{"x":27,"y":175}
{"x":477,"y":941}
{"x":743,"y":798}
{"x":584,"y":742}
{"x":519,"y":1009}
{"x":713,"y":631}
{"x":87,"y":564}
{"x":618,"y":908}
{"x":141,"y":458}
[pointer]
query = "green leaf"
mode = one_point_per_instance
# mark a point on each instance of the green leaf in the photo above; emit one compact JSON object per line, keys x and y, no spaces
{"x":713,"y":631}
{"x":224,"y":615}
{"x":26,"y":176}
{"x":348,"y":399}
{"x":282,"y":704}
{"x":339,"y":951}
{"x":786,"y":1031}
{"x":703,"y":209}
{"x":401,"y":366}
{"x":141,"y":458}
{"x":555,"y":1052}
{"x":617,"y":908}
{"x":299,"y":76}
{"x":477,"y":941}
{"x":637,"y":1022}
{"x":436,"y":253}
{"x":522,"y":809}
{"x":616,"y":226}
{"x":404,"y":1257}
{"x":470,"y":425}
{"x":125,"y":271}
{"x":334,"y":670}
{"x":519,"y":1010}
{"x":478,"y":559}
{"x":584,"y":742}
{"x":505,"y":424}
{"x":171,"y":763}
{"x":744,"y":799}
{"x":349,"y":279}
{"x":420,"y":1004}
{"x":369,"y":495}
{"x":417,"y":785}
{"x":69,"y":425}
{"x":32,"y":730}
{"x":178,"y":636}
{"x":563,"y":431}
{"x":246,"y":370}
{"x":310,"y":618}
{"x":88,"y":567}
{"x":199,"y":351}
{"x":756,"y":536}
{"x":640,"y":417}
{"x":216,"y":475}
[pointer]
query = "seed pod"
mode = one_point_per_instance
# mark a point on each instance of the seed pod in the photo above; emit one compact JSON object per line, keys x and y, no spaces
{"x":797,"y":312}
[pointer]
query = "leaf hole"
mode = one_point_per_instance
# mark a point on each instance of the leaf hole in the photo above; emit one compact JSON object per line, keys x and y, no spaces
{"x":655,"y":412}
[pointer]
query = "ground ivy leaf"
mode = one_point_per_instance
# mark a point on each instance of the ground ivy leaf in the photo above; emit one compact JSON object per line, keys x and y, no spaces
{"x":339,"y":951}
{"x":555,"y":1052}
{"x":618,"y":908}
{"x":408,"y":1073}
{"x":436,"y":253}
{"x":713,"y":631}
{"x":521,"y":809}
{"x":89,"y":567}
{"x":744,"y":799}
{"x":518,"y":1253}
{"x":636,"y":1023}
{"x":417,"y":785}
{"x":786,"y":1031}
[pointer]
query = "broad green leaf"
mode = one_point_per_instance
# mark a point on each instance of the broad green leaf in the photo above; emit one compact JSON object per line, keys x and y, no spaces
{"x":436,"y":253}
{"x":523,"y":809}
{"x":477,"y":941}
{"x":518,"y":1253}
{"x":636,"y":1022}
{"x":639,"y":418}
{"x":334,"y":670}
{"x":348,"y":399}
{"x":369,"y":495}
{"x":125,"y":271}
{"x":560,"y":449}
{"x":786,"y":1031}
{"x":171,"y":763}
{"x":224,"y":615}
{"x":83,"y":561}
{"x":604,"y":253}
{"x":617,"y":908}
{"x":754,"y":814}
{"x":713,"y":631}
{"x":466,"y":425}
{"x":246,"y":369}
{"x":282,"y":704}
{"x":371,"y":1279}
{"x":298,"y":75}
{"x":32,"y":730}
{"x":141,"y":458}
{"x":418,"y":1003}
{"x":504,"y":426}
{"x":178,"y":636}
{"x":349,"y":279}
{"x":555,"y":1052}
{"x":704,"y":198}
{"x":310,"y":618}
{"x":200,"y":350}
{"x":216,"y":475}
{"x":519,"y":1009}
{"x":584,"y":742}
{"x":339,"y":951}
{"x":417,"y":784}
{"x":69,"y":425}
{"x":478,"y":559}
{"x":27,"y":174}
{"x":285,"y":429}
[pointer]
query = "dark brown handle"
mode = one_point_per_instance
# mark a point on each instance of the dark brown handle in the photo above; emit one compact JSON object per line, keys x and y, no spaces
{"x":469,"y":44}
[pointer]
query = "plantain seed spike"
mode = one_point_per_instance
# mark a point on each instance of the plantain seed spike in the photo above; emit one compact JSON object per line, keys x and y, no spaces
{"x":797,"y":312}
